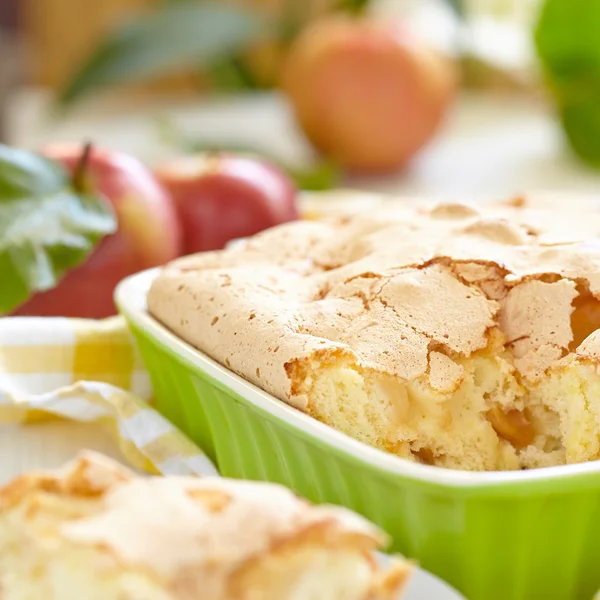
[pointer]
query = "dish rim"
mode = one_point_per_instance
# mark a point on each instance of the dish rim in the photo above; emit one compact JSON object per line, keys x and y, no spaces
{"x":130,"y":298}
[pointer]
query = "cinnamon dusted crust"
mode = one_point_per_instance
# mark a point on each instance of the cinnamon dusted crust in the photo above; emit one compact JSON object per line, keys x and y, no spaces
{"x":93,"y":530}
{"x":450,"y":334}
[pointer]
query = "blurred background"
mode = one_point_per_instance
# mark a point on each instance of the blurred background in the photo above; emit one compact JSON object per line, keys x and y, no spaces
{"x":223,"y":111}
{"x":498,"y":129}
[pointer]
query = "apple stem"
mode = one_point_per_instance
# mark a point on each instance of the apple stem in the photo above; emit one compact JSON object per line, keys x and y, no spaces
{"x":78,"y":179}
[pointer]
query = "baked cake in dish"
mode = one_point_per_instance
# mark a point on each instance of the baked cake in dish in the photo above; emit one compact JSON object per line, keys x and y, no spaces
{"x":95,"y":531}
{"x":454,"y":335}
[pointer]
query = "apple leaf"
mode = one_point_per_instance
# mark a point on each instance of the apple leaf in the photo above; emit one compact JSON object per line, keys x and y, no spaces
{"x":47,"y":226}
{"x":177,"y":35}
{"x":457,"y":7}
{"x":354,"y":6}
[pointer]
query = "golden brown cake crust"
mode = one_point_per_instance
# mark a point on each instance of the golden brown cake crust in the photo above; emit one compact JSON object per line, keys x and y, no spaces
{"x":425,"y":279}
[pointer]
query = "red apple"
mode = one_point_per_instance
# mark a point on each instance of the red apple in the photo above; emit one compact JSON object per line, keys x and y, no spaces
{"x":367,"y":94}
{"x":221,"y":197}
{"x":148,"y":234}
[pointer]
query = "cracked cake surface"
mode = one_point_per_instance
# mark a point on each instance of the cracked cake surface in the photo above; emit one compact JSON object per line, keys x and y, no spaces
{"x":451,"y":334}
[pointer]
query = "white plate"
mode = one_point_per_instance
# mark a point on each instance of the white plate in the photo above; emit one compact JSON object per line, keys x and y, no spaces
{"x":425,"y":586}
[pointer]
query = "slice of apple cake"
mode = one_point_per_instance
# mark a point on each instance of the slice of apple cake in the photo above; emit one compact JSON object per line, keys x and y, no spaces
{"x":94,"y":530}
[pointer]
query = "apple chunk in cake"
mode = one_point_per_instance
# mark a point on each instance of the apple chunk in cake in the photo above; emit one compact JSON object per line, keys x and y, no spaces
{"x":452,"y":335}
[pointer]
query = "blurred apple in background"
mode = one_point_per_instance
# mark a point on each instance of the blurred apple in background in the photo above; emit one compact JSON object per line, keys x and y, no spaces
{"x":367,"y":93}
{"x":148,"y":234}
{"x":220,"y":197}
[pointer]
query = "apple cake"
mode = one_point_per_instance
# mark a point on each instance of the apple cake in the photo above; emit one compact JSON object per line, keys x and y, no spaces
{"x":95,"y":531}
{"x":451,"y":334}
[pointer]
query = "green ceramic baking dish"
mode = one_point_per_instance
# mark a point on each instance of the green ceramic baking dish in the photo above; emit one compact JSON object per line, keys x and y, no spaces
{"x":494,"y":536}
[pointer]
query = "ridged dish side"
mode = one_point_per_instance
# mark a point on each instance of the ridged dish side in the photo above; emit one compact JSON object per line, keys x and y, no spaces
{"x":516,"y":541}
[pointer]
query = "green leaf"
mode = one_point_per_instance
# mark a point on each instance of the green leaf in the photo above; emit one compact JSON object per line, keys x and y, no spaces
{"x":231,"y":74}
{"x":323,"y":175}
{"x":568,"y":45}
{"x":457,"y":7}
{"x":46,"y":226}
{"x":353,"y":6}
{"x":178,"y":35}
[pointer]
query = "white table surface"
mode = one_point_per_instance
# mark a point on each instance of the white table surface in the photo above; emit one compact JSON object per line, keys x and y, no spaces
{"x":492,"y":145}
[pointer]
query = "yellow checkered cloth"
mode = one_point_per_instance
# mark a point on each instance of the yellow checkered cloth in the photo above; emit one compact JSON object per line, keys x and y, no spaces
{"x":90,"y":371}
